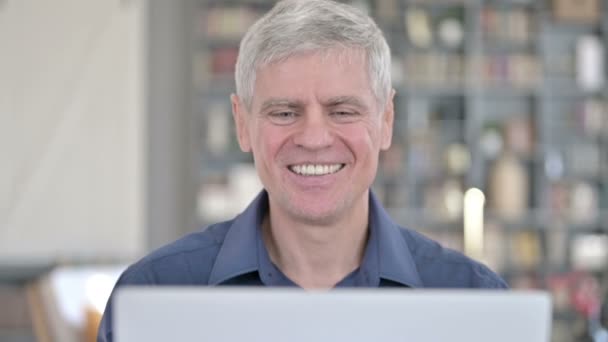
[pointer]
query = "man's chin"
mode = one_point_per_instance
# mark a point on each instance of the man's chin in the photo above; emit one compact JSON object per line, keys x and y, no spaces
{"x":312,"y":209}
{"x":317,"y":215}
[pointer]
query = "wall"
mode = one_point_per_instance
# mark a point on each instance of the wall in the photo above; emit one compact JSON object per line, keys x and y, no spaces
{"x":71,"y":140}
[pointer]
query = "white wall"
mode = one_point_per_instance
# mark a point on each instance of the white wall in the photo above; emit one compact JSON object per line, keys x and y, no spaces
{"x":71,"y":121}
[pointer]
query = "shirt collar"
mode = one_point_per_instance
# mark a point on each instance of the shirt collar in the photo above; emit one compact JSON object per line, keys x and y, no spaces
{"x":394,"y":258}
{"x":387,"y":254}
{"x":239,"y":251}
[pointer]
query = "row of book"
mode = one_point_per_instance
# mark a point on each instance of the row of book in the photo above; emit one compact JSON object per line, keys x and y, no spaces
{"x":440,"y":69}
{"x":423,"y":26}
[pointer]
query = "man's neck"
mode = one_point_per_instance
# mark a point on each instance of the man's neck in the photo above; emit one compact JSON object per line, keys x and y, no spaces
{"x":315,"y":256}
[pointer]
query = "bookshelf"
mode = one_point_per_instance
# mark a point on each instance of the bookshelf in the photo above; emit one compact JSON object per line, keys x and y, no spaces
{"x":504,"y":96}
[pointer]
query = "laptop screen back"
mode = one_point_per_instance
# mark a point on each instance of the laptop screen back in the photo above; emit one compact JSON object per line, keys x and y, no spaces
{"x":156,"y":314}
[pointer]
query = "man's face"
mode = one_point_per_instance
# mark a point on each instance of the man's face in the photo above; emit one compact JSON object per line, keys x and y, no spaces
{"x":315,"y":130}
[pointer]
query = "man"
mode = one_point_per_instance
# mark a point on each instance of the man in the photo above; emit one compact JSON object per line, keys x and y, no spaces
{"x":314,"y":105}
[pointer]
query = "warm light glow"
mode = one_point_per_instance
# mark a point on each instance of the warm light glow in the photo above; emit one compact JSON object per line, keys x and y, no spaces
{"x":98,"y":289}
{"x":474,"y":201}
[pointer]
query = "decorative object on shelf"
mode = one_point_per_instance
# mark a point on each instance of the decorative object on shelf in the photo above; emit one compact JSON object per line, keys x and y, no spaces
{"x":526,"y":249}
{"x":473,"y":222}
{"x":457,"y":159}
{"x":451,"y":32}
{"x":452,"y":204}
{"x":519,"y":135}
{"x":591,"y":117}
{"x":589,"y":252}
{"x":583,"y":203}
{"x":444,"y":199}
{"x":586,"y":11}
{"x":491,"y":142}
{"x":418,"y":26}
{"x":590,"y":61}
{"x":509,"y":187}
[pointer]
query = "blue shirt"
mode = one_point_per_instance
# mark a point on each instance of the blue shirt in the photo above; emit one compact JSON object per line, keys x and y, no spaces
{"x":233,"y":253}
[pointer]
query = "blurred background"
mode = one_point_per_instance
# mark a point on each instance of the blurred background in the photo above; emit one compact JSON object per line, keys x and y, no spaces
{"x":116,"y":137}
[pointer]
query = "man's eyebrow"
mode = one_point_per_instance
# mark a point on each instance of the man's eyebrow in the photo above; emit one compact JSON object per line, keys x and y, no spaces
{"x":279,"y":102}
{"x":348,"y":100}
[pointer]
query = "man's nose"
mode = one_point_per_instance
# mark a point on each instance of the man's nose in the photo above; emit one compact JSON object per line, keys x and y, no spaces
{"x":315,"y":131}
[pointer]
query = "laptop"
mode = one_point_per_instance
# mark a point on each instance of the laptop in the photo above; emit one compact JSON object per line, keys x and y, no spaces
{"x":160,"y":314}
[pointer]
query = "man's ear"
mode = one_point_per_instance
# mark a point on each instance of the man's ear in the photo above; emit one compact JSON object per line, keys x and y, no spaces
{"x":388,"y":120}
{"x":241,"y":120}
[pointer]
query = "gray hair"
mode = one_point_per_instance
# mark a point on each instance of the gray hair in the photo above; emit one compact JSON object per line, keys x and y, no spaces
{"x":299,"y":26}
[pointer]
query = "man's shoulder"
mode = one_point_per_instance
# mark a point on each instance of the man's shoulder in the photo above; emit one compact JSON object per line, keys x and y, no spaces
{"x":443,"y":267}
{"x":186,"y":261}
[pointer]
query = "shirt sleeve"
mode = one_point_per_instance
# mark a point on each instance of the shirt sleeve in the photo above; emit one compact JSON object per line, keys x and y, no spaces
{"x":132,"y":276}
{"x":486,"y":278}
{"x":104,"y":334}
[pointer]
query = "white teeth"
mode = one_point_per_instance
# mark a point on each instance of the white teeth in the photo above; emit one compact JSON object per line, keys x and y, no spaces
{"x":315,"y":170}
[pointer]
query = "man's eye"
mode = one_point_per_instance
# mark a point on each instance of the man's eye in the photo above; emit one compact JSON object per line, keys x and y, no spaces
{"x":343,"y":113}
{"x":344,"y":116}
{"x":283,"y":117}
{"x":283,"y":114}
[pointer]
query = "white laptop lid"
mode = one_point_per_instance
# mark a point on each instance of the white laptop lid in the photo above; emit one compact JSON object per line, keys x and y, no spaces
{"x":156,"y":314}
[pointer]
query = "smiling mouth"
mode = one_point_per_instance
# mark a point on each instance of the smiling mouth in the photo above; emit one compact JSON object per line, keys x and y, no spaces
{"x":315,"y":169}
